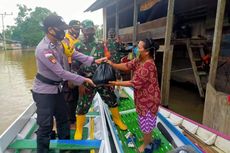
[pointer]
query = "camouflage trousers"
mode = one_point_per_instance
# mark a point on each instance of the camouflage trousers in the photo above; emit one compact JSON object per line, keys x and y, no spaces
{"x":106,"y":92}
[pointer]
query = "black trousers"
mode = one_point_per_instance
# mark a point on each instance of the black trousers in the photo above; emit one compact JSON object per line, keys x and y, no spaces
{"x":72,"y":105}
{"x":71,"y":97}
{"x":49,"y":106}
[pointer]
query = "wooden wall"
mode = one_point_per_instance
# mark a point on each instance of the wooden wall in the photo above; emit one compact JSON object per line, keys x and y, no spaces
{"x":216,"y":110}
{"x":154,"y":29}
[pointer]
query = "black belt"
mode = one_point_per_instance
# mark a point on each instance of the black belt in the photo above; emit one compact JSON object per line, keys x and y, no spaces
{"x":46,"y":80}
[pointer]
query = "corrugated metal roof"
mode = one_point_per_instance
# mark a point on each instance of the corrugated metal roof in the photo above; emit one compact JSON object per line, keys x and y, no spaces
{"x":98,"y":4}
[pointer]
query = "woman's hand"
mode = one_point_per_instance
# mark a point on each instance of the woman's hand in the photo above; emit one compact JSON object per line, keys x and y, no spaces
{"x":114,"y":83}
{"x":90,"y":82}
{"x":103,"y":59}
{"x":109,"y":62}
{"x":121,"y":83}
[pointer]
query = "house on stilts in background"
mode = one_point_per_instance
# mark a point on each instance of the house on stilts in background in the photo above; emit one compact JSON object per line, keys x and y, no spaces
{"x":195,"y":45}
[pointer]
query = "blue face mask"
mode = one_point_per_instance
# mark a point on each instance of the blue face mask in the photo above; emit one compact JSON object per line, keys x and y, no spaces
{"x":136,"y":52}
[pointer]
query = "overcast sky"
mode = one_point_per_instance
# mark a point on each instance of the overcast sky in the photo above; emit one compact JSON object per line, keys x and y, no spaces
{"x":68,"y":9}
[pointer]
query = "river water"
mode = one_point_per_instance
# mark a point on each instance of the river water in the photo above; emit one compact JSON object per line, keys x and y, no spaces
{"x":17,"y":71}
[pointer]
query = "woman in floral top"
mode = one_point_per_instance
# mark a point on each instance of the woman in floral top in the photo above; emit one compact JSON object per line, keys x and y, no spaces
{"x":146,"y":87}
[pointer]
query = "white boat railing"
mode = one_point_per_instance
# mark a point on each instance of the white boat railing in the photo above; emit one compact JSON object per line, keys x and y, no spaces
{"x":178,"y":137}
{"x":16,"y":130}
{"x":12,"y":131}
{"x":105,"y":142}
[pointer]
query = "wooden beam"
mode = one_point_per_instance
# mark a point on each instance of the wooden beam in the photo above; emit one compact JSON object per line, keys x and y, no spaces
{"x":147,"y":26}
{"x":135,"y":14}
{"x":167,"y":59}
{"x":153,"y":29}
{"x":216,"y":41}
{"x":117,"y":19}
{"x":216,"y":110}
{"x":104,"y":24}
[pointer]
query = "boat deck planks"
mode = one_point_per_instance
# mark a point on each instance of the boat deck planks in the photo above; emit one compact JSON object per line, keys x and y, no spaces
{"x":130,"y":118}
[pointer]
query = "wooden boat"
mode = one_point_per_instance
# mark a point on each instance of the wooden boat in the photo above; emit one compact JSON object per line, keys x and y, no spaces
{"x":175,"y":132}
{"x":21,"y":137}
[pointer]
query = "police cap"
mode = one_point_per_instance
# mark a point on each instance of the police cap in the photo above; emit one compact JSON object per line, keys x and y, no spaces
{"x":54,"y":21}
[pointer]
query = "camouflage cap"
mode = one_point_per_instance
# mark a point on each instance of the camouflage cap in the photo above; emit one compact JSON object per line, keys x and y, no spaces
{"x":86,"y":24}
{"x":75,"y":23}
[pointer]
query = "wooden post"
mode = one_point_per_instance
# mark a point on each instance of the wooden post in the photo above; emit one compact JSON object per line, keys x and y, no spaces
{"x":104,"y":24}
{"x":135,"y":12}
{"x":117,"y":19}
{"x":217,"y":40}
{"x":216,"y":110}
{"x":168,"y":53}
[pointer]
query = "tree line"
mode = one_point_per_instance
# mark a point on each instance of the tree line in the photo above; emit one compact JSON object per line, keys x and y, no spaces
{"x":28,"y":26}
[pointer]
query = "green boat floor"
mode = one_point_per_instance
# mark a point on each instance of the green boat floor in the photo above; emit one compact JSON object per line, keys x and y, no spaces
{"x":31,"y":143}
{"x":125,"y":104}
{"x":57,"y":144}
{"x":131,"y":120}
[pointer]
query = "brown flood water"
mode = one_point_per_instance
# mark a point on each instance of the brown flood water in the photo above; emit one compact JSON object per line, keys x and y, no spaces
{"x":17,"y":71}
{"x":185,"y":100}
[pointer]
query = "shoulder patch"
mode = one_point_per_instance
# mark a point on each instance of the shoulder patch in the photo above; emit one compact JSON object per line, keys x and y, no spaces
{"x":51,"y":58}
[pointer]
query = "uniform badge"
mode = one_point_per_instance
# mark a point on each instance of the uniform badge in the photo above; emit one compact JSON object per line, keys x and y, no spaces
{"x":51,"y":58}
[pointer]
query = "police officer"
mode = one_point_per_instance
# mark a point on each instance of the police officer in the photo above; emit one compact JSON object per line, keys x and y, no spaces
{"x":47,"y":84}
{"x":89,"y":46}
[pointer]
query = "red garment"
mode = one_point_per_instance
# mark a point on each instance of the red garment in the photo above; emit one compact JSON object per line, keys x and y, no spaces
{"x":146,"y":87}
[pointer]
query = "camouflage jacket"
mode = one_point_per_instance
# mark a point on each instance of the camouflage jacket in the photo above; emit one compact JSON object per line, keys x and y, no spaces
{"x":94,"y":49}
{"x":117,"y":50}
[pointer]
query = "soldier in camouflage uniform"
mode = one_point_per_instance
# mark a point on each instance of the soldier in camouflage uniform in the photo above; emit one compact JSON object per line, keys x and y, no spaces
{"x":118,"y":51}
{"x":89,"y":46}
{"x":115,"y":46}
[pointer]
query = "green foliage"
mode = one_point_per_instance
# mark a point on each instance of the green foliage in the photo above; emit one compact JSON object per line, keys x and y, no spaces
{"x":22,"y":14}
{"x":28,"y":28}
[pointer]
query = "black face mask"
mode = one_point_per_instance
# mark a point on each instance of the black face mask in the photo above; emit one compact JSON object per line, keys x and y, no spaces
{"x":75,"y":34}
{"x":59,"y":34}
{"x":90,"y":37}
